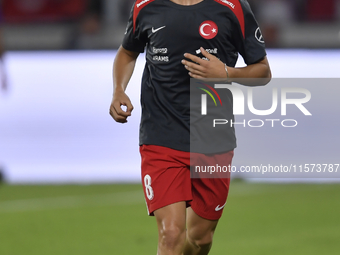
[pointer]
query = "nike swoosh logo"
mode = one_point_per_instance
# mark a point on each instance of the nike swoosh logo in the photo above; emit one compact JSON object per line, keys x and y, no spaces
{"x":218,"y":208}
{"x":156,"y":30}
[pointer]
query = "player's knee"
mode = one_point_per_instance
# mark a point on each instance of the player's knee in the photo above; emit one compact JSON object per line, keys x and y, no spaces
{"x":172,"y":236}
{"x":200,"y":239}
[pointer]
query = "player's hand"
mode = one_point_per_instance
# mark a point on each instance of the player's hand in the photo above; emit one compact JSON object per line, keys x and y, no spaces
{"x":117,"y":113}
{"x":202,"y":69}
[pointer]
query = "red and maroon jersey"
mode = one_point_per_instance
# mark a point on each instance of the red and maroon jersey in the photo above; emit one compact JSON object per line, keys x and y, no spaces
{"x":168,"y":30}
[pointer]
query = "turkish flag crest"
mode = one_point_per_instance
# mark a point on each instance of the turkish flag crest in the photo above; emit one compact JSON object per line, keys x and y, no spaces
{"x":208,"y":29}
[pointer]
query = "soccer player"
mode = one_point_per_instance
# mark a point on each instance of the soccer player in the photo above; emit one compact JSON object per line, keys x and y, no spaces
{"x":183,"y":39}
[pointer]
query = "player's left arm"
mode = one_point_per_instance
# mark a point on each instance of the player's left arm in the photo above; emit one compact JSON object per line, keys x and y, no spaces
{"x":255,"y":74}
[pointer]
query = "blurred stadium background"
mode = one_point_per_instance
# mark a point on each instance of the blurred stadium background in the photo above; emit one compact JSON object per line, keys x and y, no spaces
{"x":55,"y":91}
{"x":100,"y":24}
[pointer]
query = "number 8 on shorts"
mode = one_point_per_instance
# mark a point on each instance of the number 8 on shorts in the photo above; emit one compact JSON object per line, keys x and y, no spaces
{"x":148,"y":188}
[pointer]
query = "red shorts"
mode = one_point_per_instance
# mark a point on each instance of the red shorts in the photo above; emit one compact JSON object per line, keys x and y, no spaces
{"x":166,"y":180}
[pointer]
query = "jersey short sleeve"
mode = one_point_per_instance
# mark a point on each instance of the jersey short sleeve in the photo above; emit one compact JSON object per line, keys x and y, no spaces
{"x":133,"y":39}
{"x":249,"y":40}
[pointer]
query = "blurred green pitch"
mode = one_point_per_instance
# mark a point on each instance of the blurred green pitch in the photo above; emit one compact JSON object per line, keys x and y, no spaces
{"x":111,"y":219}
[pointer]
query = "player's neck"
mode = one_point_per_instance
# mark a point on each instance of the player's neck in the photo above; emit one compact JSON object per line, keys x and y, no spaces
{"x":186,"y":2}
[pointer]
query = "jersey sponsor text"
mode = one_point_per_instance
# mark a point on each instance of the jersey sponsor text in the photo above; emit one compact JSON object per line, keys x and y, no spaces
{"x":211,"y":51}
{"x":161,"y":58}
{"x":160,"y":50}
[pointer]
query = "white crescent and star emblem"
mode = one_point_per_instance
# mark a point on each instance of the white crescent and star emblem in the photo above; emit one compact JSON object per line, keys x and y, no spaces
{"x":202,"y":29}
{"x":208,"y":29}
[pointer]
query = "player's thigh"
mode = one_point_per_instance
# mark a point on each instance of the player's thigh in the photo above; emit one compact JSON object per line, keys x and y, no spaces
{"x":166,"y":179}
{"x":209,"y":197}
{"x":171,"y":219}
{"x":199,"y":230}
{"x":210,"y":194}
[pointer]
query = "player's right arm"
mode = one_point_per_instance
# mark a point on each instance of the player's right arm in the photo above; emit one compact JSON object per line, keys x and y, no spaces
{"x":123,"y":67}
